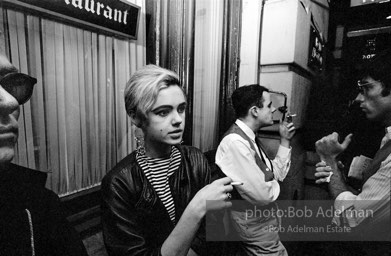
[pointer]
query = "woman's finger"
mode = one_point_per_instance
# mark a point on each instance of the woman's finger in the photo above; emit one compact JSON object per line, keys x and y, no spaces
{"x":223,"y":181}
{"x":227,"y":188}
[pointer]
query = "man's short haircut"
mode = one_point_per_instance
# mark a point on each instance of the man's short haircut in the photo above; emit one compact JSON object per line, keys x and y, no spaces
{"x":246,"y":97}
{"x":143,"y":87}
{"x":379,"y":68}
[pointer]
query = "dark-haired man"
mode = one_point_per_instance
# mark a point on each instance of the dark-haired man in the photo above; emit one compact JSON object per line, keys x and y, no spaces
{"x":241,"y":157}
{"x":31,"y":222}
{"x":373,"y":198}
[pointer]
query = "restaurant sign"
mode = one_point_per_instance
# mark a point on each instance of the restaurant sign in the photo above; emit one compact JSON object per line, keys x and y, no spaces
{"x":117,"y":16}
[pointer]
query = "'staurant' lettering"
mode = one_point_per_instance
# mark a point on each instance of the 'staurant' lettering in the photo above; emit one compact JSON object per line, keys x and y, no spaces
{"x":107,"y":13}
{"x":90,"y":6}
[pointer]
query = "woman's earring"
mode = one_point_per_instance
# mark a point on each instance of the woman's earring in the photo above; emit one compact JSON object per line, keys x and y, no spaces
{"x":138,"y":136}
{"x":140,"y":145}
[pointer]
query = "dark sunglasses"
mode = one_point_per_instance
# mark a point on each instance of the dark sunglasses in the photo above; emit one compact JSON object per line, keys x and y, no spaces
{"x":19,"y":85}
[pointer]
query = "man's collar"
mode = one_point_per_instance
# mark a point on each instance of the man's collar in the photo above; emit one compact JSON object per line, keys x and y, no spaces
{"x":247,"y":130}
{"x":387,"y":136}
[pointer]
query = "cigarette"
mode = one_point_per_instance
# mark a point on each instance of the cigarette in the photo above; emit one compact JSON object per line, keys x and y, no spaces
{"x":236,"y":183}
{"x":329,"y":177}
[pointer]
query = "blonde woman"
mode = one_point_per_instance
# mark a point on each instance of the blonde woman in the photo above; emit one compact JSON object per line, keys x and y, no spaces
{"x":154,"y":200}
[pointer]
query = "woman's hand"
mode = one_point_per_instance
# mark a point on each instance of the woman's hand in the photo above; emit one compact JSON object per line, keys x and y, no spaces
{"x":214,"y":196}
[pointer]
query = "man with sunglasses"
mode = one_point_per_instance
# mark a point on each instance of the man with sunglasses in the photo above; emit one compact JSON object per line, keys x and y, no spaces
{"x":242,"y":157}
{"x":31,"y":220}
{"x":373,"y":197}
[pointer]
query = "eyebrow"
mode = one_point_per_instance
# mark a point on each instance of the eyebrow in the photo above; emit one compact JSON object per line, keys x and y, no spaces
{"x":270,"y":103}
{"x":161,"y":107}
{"x":167,"y":107}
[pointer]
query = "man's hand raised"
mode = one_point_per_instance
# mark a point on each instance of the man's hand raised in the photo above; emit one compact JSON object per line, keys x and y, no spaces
{"x":329,"y":147}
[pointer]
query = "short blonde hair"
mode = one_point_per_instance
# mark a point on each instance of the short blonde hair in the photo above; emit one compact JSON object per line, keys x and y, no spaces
{"x":143,"y":87}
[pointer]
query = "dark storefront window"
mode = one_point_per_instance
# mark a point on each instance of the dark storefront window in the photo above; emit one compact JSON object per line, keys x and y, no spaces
{"x":75,"y":126}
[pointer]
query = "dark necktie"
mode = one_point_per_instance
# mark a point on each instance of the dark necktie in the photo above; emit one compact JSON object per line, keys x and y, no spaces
{"x":262,"y":157}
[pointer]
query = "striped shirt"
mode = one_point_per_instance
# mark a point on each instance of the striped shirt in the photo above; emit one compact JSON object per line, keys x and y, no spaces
{"x":158,"y":171}
{"x":374,"y":197}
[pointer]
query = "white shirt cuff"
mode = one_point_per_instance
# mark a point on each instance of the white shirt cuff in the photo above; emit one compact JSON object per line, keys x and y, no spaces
{"x":346,"y":195}
{"x":343,"y":202}
{"x":284,"y":152}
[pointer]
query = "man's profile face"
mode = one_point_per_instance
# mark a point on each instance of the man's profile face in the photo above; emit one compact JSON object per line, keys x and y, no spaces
{"x":9,"y":114}
{"x":265,"y":115}
{"x":375,"y":106}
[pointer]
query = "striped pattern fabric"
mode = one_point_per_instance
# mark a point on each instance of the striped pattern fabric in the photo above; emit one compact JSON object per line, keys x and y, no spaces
{"x":374,"y":197}
{"x":157,"y":171}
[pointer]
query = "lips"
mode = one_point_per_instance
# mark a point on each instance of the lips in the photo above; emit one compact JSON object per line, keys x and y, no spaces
{"x":176,"y":132}
{"x":7,"y":133}
{"x":10,"y":137}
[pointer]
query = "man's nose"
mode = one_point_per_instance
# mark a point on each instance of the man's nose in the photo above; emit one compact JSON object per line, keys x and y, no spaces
{"x":8,"y":103}
{"x":359,"y":98}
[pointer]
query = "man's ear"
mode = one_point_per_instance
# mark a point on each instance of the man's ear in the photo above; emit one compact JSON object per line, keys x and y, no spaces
{"x":135,"y":119}
{"x":253,"y":111}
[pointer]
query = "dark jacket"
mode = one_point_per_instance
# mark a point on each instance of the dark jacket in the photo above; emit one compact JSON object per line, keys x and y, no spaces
{"x":31,"y":219}
{"x":135,"y":221}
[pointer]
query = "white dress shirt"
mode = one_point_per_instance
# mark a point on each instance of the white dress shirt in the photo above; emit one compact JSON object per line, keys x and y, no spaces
{"x":236,"y":159}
